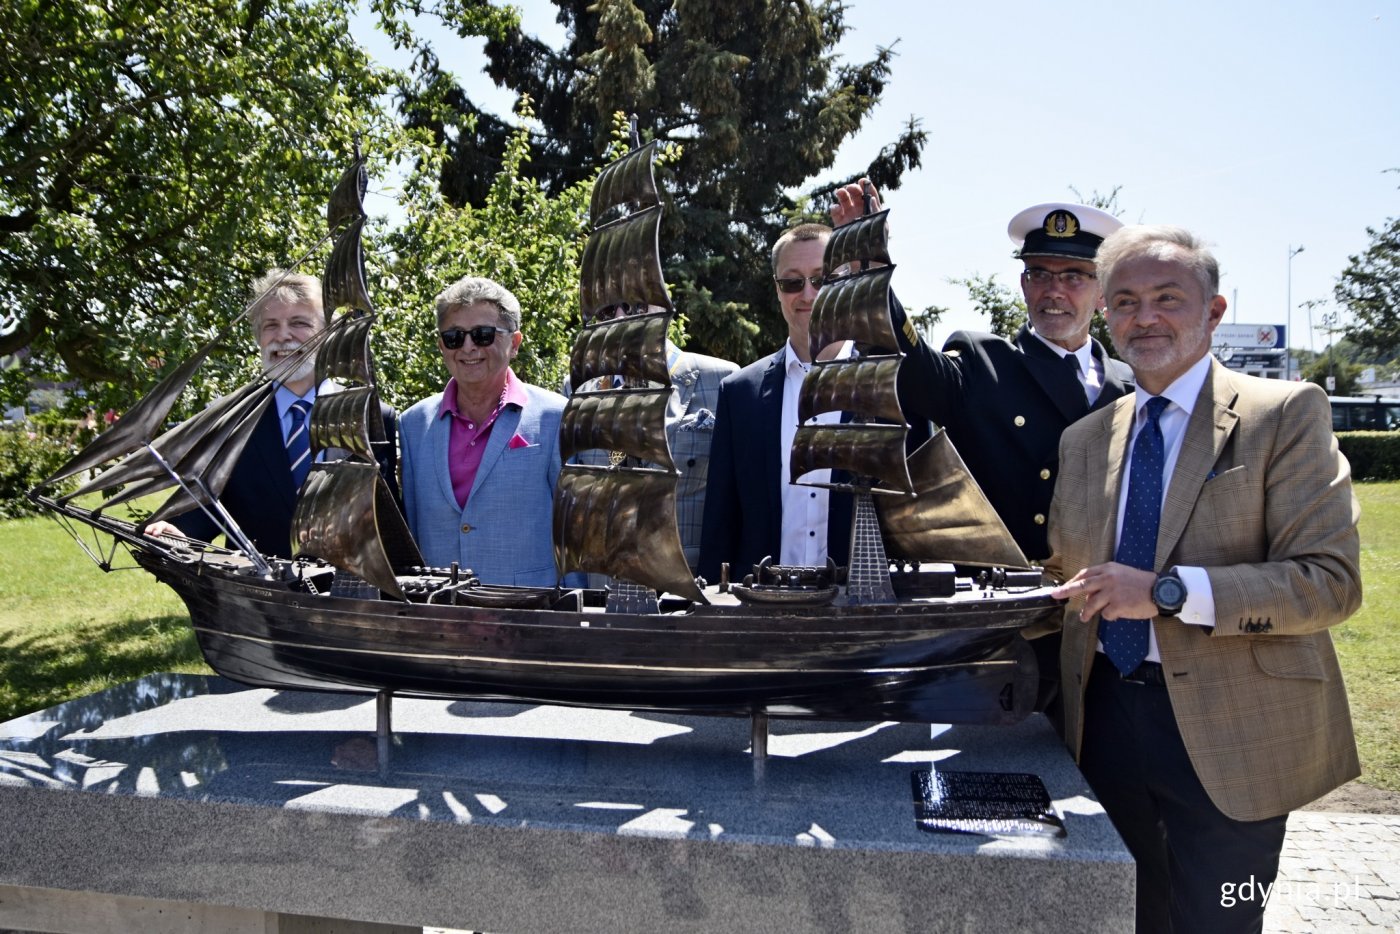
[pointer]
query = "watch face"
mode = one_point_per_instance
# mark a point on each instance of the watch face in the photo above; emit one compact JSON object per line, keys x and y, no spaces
{"x":1169,"y":593}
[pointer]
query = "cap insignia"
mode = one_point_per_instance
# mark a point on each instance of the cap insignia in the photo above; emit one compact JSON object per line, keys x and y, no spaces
{"x":1061,"y":224}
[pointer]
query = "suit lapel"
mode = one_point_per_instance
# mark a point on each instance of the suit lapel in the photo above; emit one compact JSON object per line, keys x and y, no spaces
{"x":770,"y":401}
{"x":501,"y":433}
{"x":439,"y":434}
{"x":1212,"y":423}
{"x":685,"y":376}
{"x":270,"y":449}
{"x":1053,"y":376}
{"x":1107,"y":478}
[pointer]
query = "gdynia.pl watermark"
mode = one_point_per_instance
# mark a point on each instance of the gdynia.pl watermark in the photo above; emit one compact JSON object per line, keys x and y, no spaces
{"x":1321,"y":894}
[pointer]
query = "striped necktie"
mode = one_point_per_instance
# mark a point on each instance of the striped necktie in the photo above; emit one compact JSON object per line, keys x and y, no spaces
{"x":1125,"y":640}
{"x":299,"y":442}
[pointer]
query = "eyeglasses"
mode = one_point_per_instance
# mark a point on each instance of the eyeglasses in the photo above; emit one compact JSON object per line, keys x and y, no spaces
{"x":483,"y":335}
{"x":1070,"y":278}
{"x":794,"y":285}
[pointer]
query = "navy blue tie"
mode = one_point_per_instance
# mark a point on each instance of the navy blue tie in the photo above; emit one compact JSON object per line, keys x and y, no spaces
{"x":1125,"y":640}
{"x":299,"y":442}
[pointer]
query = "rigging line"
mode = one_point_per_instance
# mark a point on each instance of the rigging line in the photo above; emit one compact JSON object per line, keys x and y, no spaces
{"x":62,"y":522}
{"x":223,"y":520}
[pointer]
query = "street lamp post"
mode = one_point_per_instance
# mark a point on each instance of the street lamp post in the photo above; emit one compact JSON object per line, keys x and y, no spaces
{"x":1330,"y":321}
{"x":1288,"y":354}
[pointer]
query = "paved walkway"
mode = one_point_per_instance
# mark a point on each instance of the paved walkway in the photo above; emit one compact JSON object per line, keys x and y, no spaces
{"x":1339,"y":872}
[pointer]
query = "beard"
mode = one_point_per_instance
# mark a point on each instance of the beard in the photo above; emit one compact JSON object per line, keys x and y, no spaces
{"x":303,"y":368}
{"x":1183,"y":349}
{"x":1069,"y":323}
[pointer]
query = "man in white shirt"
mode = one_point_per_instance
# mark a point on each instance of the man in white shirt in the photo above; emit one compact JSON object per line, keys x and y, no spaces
{"x":752,"y":511}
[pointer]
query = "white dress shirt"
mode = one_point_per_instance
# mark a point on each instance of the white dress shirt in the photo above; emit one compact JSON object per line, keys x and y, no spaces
{"x":1182,"y":394}
{"x":804,"y":523}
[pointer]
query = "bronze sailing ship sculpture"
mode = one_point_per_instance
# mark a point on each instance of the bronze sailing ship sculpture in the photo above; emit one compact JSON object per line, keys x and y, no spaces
{"x":893,"y":635}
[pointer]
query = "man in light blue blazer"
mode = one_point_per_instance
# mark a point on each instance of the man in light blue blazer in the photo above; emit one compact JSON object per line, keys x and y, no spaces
{"x":480,"y":459}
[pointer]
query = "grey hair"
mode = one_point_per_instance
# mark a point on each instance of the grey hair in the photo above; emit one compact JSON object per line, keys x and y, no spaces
{"x":469,"y":290}
{"x":1159,"y":242}
{"x":798,"y":233}
{"x":287,"y":287}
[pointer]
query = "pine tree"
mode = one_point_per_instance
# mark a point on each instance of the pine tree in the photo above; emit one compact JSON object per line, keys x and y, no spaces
{"x":750,"y":90}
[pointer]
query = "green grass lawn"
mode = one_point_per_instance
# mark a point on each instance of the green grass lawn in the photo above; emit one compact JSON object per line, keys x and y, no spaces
{"x":1369,"y":642}
{"x":67,"y":629}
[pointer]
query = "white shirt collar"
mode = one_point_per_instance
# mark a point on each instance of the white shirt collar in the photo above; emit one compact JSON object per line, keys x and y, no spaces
{"x":1085,"y":353}
{"x":1184,"y":390}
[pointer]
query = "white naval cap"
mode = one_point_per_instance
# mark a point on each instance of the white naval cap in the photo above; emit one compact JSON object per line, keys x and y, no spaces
{"x":1054,"y":229}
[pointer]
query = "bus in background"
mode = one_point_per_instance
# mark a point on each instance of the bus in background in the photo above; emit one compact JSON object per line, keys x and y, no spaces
{"x":1365,"y":413}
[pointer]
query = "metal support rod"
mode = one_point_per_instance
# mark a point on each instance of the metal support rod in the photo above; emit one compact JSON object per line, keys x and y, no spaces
{"x":223,"y":520}
{"x":758,"y":738}
{"x":383,"y":725}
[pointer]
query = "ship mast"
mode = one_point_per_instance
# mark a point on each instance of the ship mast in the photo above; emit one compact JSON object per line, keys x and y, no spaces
{"x":620,"y":519}
{"x":346,"y":513}
{"x":929,"y":507}
{"x":866,"y":452}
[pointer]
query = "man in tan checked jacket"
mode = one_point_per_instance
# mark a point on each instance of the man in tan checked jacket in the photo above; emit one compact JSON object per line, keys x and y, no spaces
{"x":1230,"y":710}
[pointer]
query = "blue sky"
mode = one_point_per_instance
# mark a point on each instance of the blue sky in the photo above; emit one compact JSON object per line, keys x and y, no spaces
{"x":1261,"y":126}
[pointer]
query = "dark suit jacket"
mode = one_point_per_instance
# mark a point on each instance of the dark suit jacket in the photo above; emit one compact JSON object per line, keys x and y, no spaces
{"x":743,"y":502}
{"x":1261,"y":498}
{"x":260,"y":495}
{"x":1004,"y":405}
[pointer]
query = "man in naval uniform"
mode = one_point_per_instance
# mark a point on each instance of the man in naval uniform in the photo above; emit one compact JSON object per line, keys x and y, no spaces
{"x":1005,"y":403}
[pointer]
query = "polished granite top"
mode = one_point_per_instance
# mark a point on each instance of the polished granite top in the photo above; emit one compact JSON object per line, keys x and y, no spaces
{"x":837,"y":784}
{"x":524,"y":818}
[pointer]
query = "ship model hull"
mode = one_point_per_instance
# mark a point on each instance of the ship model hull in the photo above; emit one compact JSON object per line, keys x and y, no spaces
{"x":887,"y":635}
{"x":957,"y":660}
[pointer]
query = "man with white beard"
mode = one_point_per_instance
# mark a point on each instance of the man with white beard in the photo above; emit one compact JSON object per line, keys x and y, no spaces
{"x":261,"y":493}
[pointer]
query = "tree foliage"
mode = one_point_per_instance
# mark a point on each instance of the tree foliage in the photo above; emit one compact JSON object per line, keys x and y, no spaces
{"x":1346,"y":375}
{"x":1369,"y":288}
{"x":519,"y":235}
{"x":1005,"y":310}
{"x":750,"y":89}
{"x":155,"y":157}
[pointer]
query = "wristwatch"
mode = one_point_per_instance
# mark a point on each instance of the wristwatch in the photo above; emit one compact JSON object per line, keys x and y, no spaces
{"x":1169,"y":593}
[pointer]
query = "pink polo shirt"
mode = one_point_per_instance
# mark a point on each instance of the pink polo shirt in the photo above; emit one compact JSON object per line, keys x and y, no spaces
{"x":467,"y":440}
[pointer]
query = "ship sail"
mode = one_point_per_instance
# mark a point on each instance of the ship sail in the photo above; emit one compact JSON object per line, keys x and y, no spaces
{"x":345,"y":512}
{"x":620,"y":520}
{"x":196,"y":456}
{"x":938,"y":512}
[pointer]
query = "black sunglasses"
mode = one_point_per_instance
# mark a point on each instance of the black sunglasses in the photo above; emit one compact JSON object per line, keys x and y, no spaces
{"x":483,"y":335}
{"x":794,"y":285}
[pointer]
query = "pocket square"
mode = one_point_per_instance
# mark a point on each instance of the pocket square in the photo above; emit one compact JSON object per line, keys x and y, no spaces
{"x":517,"y":442}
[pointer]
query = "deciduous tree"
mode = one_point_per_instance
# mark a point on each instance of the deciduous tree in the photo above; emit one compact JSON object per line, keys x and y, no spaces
{"x":1369,"y":288}
{"x":155,"y":156}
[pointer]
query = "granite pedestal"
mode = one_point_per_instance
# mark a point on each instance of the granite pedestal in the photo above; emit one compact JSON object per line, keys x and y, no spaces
{"x":180,"y":802}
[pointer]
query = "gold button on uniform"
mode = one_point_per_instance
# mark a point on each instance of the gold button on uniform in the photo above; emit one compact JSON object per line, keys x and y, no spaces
{"x":1045,"y":473}
{"x":1019,"y":420}
{"x":1039,"y":518}
{"x":466,"y":528}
